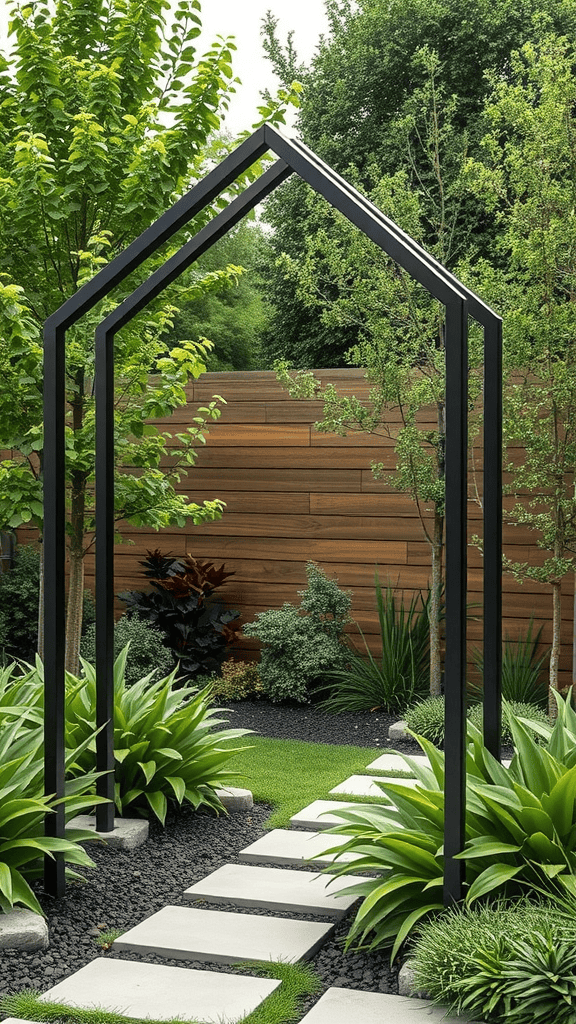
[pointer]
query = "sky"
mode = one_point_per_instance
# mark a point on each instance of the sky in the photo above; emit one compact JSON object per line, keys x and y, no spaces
{"x":242,"y":19}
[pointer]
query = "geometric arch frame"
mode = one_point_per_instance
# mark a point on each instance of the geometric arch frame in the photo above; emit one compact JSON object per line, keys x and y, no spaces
{"x":459,"y":302}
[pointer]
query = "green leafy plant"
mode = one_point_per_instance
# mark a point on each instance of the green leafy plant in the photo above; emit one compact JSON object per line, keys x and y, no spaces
{"x":426,"y":718}
{"x":302,"y":646}
{"x":519,"y":831}
{"x":239,"y":680}
{"x":23,"y":803}
{"x":402,"y":672}
{"x":166,"y":745}
{"x":197,"y":629}
{"x":501,"y":962}
{"x":522,"y":669}
{"x":147,"y":652}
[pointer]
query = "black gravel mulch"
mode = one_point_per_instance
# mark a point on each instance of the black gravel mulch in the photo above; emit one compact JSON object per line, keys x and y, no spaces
{"x":126,"y":887}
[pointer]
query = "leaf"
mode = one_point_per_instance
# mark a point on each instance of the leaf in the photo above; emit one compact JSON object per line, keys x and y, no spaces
{"x":491,"y":878}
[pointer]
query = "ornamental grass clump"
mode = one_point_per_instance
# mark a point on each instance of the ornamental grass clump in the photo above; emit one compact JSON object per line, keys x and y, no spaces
{"x":519,"y":831}
{"x":426,"y":718}
{"x":499,"y":963}
{"x":401,"y":673}
{"x":166,"y":744}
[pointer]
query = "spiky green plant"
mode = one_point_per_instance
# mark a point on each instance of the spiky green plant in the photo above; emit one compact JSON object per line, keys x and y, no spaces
{"x":519,"y":831}
{"x":166,"y":744}
{"x":402,"y":671}
{"x":24,"y":805}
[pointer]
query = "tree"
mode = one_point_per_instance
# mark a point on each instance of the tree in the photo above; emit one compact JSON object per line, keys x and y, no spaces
{"x":355,"y":91}
{"x":527,"y":181}
{"x":105,"y":114}
{"x":400,"y":327}
{"x":233,"y":318}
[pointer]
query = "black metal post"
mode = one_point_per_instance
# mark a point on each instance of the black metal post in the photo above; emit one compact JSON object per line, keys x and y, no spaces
{"x":54,"y":594}
{"x":492,"y":710}
{"x":456,"y":579}
{"x":104,"y":394}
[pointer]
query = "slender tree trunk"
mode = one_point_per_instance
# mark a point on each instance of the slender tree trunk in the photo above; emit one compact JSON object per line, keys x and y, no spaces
{"x":40,"y":643}
{"x":555,"y":649}
{"x":436,"y":607}
{"x":76,"y":576}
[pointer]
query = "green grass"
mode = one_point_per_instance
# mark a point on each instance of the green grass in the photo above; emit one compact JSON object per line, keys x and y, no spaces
{"x":282,"y":1006}
{"x":289,"y":774}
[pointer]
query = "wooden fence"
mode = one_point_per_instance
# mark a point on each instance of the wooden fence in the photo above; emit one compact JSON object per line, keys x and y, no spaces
{"x":294,"y":494}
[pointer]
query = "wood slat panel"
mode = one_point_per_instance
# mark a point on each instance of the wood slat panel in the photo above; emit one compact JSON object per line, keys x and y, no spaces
{"x":260,"y":435}
{"x":268,"y":478}
{"x":289,"y":458}
{"x":383,"y":552}
{"x":330,"y":527}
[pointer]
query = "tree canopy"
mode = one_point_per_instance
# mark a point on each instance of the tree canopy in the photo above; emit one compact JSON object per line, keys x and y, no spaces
{"x":106,"y":110}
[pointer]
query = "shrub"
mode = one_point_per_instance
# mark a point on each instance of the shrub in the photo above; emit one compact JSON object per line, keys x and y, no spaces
{"x":426,"y":718}
{"x":402,"y":672}
{"x":166,"y":746}
{"x":197,"y":630}
{"x":522,"y":669}
{"x":239,"y":680}
{"x":301,"y":646}
{"x":147,"y":654}
{"x":19,"y":594}
{"x":19,"y":589}
{"x":23,"y":804}
{"x":501,"y":963}
{"x":519,"y":830}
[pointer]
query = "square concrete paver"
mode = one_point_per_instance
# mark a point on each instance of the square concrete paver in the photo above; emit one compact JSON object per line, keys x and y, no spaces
{"x":291,"y":847}
{"x":351,"y":1006}
{"x":221,"y":937}
{"x":395,"y":763}
{"x":299,"y":892}
{"x":320,"y":814}
{"x":366,"y":785}
{"x":152,"y":990}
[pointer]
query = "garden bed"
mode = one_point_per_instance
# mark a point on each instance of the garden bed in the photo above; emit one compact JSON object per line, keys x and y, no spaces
{"x":126,"y":887}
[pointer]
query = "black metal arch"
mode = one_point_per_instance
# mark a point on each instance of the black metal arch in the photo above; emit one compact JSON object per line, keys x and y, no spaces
{"x":459,"y":302}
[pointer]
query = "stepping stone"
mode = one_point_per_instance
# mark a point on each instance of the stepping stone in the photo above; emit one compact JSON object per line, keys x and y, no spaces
{"x":151,"y":990}
{"x":318,"y":814}
{"x":223,"y":938}
{"x":275,"y":889}
{"x":395,"y":763}
{"x":366,"y":785}
{"x":287,"y":846}
{"x":344,"y":1005}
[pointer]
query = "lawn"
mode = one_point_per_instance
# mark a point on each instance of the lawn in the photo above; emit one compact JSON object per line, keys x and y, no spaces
{"x":289,"y":774}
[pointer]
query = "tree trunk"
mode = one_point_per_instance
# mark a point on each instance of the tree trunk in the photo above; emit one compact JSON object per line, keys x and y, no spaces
{"x":436,"y":607}
{"x":76,"y":576}
{"x":555,"y":649}
{"x":40,"y":642}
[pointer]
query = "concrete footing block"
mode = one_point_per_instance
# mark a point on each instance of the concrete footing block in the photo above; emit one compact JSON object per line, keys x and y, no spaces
{"x":235,"y":799}
{"x":127,"y":834}
{"x":22,"y":929}
{"x":397,"y":731}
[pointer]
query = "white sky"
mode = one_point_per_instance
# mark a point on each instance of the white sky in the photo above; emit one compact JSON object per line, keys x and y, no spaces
{"x":242,"y":19}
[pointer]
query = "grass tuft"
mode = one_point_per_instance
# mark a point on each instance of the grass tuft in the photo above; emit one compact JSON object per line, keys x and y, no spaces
{"x":282,"y":1006}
